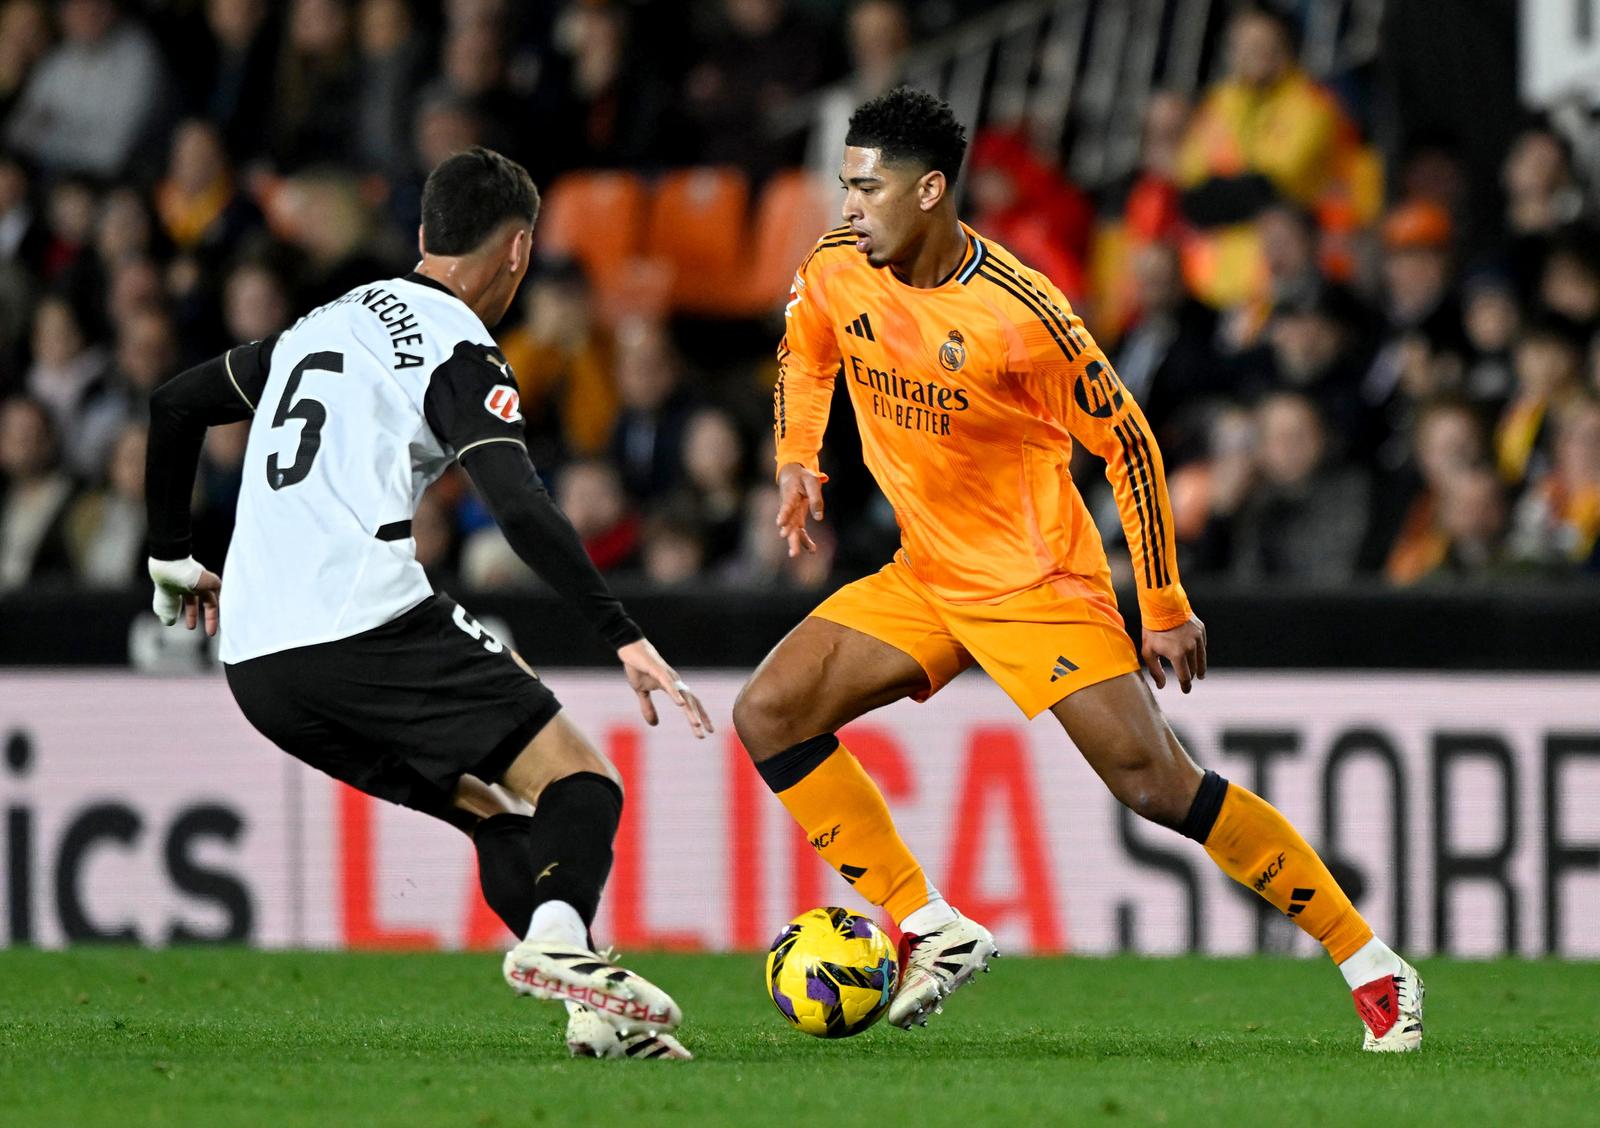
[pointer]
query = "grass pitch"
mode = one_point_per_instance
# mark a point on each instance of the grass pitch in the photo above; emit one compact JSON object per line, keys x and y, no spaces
{"x":128,"y":1037}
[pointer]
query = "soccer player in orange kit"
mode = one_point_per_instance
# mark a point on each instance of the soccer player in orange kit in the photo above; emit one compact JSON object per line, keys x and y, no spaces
{"x":971,"y":376}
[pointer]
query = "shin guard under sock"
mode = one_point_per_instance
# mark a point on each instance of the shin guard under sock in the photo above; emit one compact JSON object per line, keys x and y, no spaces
{"x":844,"y":815}
{"x":1256,"y":846}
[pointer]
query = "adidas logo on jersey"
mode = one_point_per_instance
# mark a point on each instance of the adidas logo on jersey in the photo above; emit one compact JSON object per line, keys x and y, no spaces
{"x":861,"y":327}
{"x":1062,"y":669}
{"x":503,"y":402}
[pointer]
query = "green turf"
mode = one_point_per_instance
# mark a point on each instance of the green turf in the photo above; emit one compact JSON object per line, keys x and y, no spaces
{"x":128,"y":1037}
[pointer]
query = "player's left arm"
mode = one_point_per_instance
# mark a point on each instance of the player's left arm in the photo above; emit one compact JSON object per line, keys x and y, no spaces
{"x":1079,"y":388}
{"x":224,"y":389}
{"x":473,"y":407}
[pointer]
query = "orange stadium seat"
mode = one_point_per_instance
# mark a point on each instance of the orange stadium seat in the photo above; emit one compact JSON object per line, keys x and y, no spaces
{"x":697,"y":223}
{"x":796,"y":208}
{"x":596,"y":218}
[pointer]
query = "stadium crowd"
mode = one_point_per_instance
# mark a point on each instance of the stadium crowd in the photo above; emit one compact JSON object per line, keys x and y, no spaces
{"x":1350,"y":375}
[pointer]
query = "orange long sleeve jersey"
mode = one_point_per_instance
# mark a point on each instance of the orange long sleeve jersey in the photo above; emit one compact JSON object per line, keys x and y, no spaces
{"x":968,"y":396}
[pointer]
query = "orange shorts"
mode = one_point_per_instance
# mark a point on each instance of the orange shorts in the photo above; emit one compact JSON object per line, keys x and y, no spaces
{"x":1039,"y":645}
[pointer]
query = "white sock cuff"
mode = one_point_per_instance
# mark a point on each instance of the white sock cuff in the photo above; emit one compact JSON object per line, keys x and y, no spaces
{"x":935,"y":914}
{"x":557,"y":920}
{"x":1373,"y":960}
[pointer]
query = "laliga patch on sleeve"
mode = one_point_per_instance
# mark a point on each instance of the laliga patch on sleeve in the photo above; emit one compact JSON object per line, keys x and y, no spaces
{"x":503,"y":402}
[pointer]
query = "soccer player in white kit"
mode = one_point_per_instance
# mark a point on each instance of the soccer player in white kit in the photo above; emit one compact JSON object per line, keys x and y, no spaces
{"x":336,"y":646}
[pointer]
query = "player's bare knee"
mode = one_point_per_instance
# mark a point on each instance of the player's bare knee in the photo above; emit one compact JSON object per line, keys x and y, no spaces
{"x":764,"y":716}
{"x":1154,"y":793}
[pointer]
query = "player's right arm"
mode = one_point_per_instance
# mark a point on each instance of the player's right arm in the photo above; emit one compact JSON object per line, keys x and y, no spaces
{"x":225,"y":389}
{"x":808,"y":362}
{"x":466,"y":405}
{"x":1076,"y":385}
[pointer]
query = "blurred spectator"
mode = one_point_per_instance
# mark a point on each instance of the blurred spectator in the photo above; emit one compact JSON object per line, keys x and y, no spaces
{"x":1267,"y":128}
{"x":324,"y":217}
{"x":1303,"y":520}
{"x":601,"y":102}
{"x":674,"y":552}
{"x":1136,"y":212}
{"x":1569,"y":285}
{"x":199,"y":203}
{"x":474,"y":71}
{"x":1548,"y":360}
{"x":24,"y":40}
{"x":1542,"y":197}
{"x":34,"y":497}
{"x":123,"y":229}
{"x":1215,"y":485}
{"x":562,"y":357}
{"x":392,"y":66}
{"x":590,"y":494}
{"x":217,"y":490}
{"x":71,"y":216}
{"x":145,"y":357}
{"x":1315,"y":345}
{"x":1558,"y":519}
{"x":22,"y":245}
{"x":1408,"y":538}
{"x":1168,"y":358}
{"x":764,"y":54}
{"x":232,"y":84}
{"x":1417,"y":272}
{"x":255,"y":303}
{"x":1491,"y":320}
{"x":93,"y":97}
{"x":135,"y":285}
{"x":106,"y":526}
{"x":878,"y":39}
{"x":69,"y":370}
{"x":647,"y":441}
{"x":1472,"y":519}
{"x":1024,"y":202}
{"x":1421,"y":351}
{"x":1289,"y":240}
{"x":764,"y":561}
{"x":313,"y":113}
{"x":714,"y":477}
{"x":21,"y":235}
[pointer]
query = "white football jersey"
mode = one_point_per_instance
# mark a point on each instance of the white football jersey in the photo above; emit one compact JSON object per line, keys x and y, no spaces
{"x":345,"y":439}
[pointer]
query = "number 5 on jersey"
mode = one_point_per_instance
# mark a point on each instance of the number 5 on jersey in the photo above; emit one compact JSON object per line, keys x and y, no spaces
{"x":313,"y":412}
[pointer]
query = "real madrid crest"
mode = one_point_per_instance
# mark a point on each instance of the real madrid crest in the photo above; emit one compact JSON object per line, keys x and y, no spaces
{"x":953,"y":353}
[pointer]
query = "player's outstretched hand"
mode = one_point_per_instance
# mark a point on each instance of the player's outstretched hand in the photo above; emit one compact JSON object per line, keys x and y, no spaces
{"x":185,"y":586}
{"x":647,"y":671}
{"x":1184,"y":648}
{"x":799,"y":495}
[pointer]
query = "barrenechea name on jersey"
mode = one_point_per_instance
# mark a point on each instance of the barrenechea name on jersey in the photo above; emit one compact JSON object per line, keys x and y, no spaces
{"x":405,"y":331}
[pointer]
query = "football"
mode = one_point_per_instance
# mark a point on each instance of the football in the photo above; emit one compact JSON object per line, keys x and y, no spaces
{"x":831,"y":973}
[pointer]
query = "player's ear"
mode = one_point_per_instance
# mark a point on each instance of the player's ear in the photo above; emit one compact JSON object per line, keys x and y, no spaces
{"x":521,"y":250}
{"x":420,"y":249}
{"x":931,"y":189}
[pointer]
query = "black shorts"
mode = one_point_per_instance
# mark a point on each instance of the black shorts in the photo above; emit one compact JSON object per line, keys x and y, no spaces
{"x":401,"y":711}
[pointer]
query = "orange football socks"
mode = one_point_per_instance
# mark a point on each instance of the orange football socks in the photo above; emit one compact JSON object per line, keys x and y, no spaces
{"x":844,"y":815}
{"x":1256,"y":846}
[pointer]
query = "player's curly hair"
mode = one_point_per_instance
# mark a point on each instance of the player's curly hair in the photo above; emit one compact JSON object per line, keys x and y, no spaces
{"x":469,"y":195}
{"x":911,"y":126}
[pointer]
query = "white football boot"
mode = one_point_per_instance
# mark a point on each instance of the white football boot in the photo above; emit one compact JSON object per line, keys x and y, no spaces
{"x":1391,"y":1009}
{"x":935,"y":965}
{"x":589,"y":1035}
{"x":562,"y":972}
